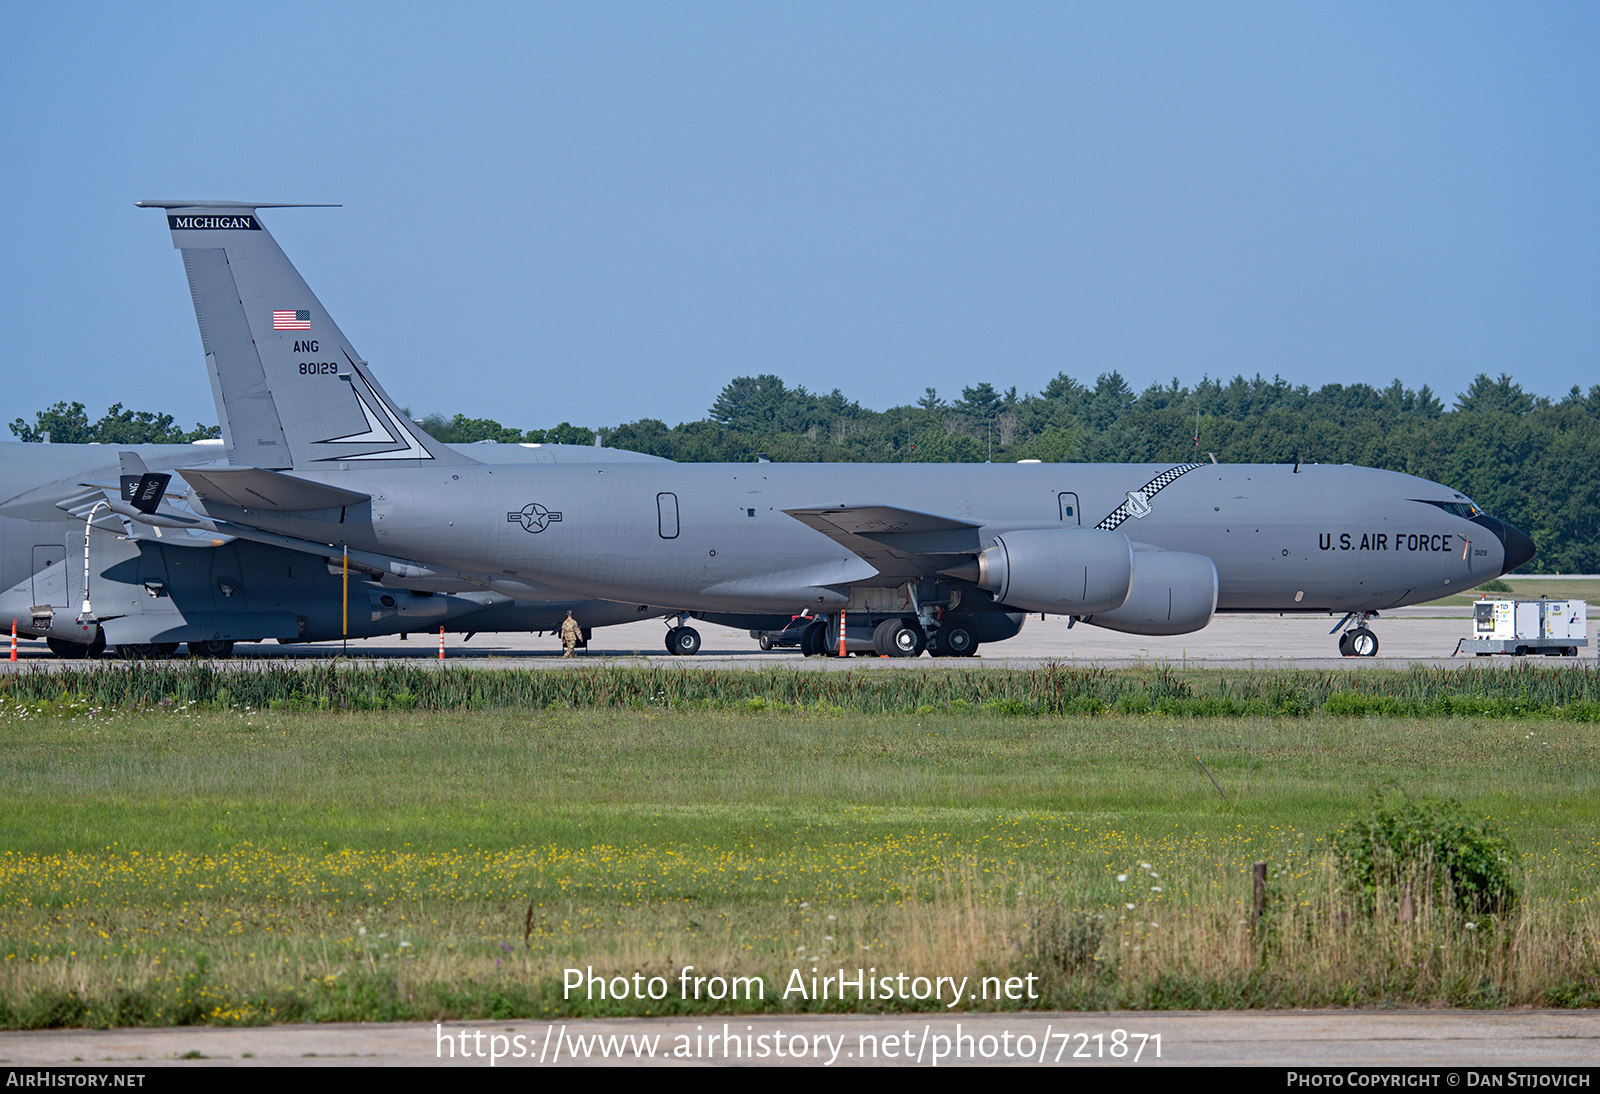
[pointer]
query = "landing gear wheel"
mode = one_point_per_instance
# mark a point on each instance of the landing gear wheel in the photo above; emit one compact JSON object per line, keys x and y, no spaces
{"x":814,"y":642}
{"x":897,"y":638}
{"x":957,"y":638}
{"x":211,"y":650}
{"x":765,"y":641}
{"x":67,"y":651}
{"x":147,"y":651}
{"x":1363,"y":643}
{"x":683,"y":641}
{"x":1344,"y":645}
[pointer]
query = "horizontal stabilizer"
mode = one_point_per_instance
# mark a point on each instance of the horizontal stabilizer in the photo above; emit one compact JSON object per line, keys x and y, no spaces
{"x":900,"y":543}
{"x":94,"y":500}
{"x":82,"y":504}
{"x":192,"y":203}
{"x":257,"y":488}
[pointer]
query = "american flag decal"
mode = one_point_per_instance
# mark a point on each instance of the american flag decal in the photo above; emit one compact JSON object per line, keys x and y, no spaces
{"x":291,"y":320}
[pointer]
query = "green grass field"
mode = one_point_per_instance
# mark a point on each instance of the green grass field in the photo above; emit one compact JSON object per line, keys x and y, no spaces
{"x":246,"y":866}
{"x":1531,"y":588}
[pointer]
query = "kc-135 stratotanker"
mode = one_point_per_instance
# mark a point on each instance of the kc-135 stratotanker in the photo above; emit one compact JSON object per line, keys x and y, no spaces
{"x":917,"y":556}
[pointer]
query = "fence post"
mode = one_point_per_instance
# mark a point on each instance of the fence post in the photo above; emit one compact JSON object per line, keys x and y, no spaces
{"x":1259,"y":874}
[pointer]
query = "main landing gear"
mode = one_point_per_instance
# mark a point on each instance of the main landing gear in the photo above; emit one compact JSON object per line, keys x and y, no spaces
{"x":682,"y":640}
{"x":75,"y":651}
{"x":211,"y":649}
{"x":956,"y":637}
{"x":147,"y":651}
{"x":1358,"y":641}
{"x":814,"y":640}
{"x":896,"y":636}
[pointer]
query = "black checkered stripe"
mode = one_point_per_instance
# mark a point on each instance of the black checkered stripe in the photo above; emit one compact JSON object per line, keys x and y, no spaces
{"x":1151,"y":489}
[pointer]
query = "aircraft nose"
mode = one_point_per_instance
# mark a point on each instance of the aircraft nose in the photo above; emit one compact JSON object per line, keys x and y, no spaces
{"x":1519,"y":548}
{"x":1515,"y":542}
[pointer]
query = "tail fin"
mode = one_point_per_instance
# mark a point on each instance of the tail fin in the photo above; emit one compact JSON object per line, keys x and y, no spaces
{"x":141,"y":487}
{"x":291,"y":391}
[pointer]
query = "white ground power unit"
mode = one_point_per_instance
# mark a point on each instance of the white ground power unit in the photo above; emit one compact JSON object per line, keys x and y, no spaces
{"x":1553,"y":628}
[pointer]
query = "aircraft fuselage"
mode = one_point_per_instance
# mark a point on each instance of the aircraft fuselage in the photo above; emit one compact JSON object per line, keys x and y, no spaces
{"x":716,"y":537}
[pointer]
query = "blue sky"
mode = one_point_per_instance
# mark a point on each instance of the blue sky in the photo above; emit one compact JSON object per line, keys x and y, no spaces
{"x":603,"y":212}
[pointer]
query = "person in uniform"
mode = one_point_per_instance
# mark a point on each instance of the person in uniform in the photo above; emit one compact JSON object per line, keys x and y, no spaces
{"x":571,"y":634}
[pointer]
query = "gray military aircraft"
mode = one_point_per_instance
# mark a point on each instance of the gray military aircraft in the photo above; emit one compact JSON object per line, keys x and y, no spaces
{"x":897,"y":558}
{"x":44,"y":505}
{"x":149,"y":592}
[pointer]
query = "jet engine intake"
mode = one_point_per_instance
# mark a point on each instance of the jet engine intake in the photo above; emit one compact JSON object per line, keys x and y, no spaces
{"x":1173,"y":592}
{"x":1063,"y":571}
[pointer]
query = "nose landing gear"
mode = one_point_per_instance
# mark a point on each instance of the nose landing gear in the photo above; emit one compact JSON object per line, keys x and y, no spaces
{"x":1358,"y":641}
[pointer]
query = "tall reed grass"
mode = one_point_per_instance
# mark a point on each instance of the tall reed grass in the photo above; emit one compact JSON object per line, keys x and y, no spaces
{"x":1569,"y":693}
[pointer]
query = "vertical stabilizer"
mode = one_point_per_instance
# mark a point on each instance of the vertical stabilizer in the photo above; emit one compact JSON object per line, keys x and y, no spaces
{"x":291,"y":391}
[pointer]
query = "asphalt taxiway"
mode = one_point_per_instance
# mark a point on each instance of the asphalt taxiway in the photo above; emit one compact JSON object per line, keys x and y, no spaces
{"x":1450,"y":1043}
{"x":1407,"y":636}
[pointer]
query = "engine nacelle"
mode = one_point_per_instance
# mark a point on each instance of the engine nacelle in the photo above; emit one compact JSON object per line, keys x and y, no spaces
{"x":406,"y":604}
{"x":1173,"y":593}
{"x":1063,"y":571}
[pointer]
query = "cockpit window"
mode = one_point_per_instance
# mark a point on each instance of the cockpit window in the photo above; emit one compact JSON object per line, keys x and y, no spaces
{"x":1462,"y":508}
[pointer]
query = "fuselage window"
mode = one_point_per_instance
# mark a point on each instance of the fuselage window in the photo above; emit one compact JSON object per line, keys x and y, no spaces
{"x":667,"y":514}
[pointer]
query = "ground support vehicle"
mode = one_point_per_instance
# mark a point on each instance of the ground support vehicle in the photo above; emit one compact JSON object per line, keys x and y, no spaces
{"x":789,"y":635}
{"x":1553,"y":628}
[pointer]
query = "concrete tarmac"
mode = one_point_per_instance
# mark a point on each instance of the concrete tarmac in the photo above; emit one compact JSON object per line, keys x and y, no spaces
{"x":1447,"y":1041}
{"x":1407,"y":637}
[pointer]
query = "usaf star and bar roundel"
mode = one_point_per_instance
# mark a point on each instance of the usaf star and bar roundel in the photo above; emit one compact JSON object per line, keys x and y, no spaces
{"x":533,"y":517}
{"x":290,"y":319}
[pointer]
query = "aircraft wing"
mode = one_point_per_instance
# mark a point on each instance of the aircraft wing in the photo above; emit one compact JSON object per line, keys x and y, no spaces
{"x":257,"y":488}
{"x":900,"y":543}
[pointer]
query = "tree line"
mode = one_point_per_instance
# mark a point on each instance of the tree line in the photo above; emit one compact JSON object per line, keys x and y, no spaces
{"x":68,"y":423}
{"x":1532,"y":460}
